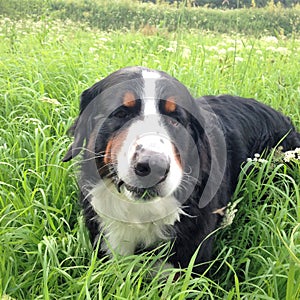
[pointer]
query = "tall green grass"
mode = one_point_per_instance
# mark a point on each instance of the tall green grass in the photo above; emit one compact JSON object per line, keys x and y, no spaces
{"x":45,"y":251}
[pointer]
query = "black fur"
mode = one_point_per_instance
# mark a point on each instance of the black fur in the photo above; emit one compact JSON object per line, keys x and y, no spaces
{"x":248,"y":126}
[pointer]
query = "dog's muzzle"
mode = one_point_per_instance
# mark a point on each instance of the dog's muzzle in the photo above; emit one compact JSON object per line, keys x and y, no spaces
{"x":148,"y":167}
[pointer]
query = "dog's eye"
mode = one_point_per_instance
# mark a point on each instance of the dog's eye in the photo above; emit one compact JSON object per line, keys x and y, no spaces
{"x":121,"y":113}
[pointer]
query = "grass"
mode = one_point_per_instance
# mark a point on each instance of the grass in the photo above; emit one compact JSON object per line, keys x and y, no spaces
{"x":45,"y":251}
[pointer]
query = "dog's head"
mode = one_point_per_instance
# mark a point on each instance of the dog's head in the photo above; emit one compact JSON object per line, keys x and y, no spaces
{"x":140,"y":128}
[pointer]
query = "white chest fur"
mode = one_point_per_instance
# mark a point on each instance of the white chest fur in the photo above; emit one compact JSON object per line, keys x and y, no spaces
{"x":127,"y":223}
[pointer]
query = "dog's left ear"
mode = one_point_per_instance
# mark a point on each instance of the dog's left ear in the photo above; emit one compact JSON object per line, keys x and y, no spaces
{"x":80,"y":127}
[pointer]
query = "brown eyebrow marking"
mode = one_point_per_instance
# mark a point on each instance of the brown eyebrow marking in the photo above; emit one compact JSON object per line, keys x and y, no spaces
{"x":170,"y":105}
{"x":129,"y":99}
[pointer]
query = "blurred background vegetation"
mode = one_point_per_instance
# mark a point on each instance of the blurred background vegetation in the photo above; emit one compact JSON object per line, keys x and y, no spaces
{"x":275,"y":18}
{"x":228,"y":3}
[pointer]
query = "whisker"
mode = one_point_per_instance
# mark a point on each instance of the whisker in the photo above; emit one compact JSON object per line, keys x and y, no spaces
{"x":91,"y":158}
{"x":187,"y":177}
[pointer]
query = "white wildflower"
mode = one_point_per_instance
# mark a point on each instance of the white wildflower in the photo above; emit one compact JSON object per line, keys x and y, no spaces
{"x":283,"y":50}
{"x":271,"y":49}
{"x":92,"y":49}
{"x":238,"y":59}
{"x":262,"y":161}
{"x":172,"y":46}
{"x":256,"y":158}
{"x":186,"y":52}
{"x":222,"y":44}
{"x":270,"y":39}
{"x":222,"y":51}
{"x":104,"y":39}
{"x":234,"y":41}
{"x":50,"y":100}
{"x":211,"y":48}
{"x":231,"y":49}
{"x":4,"y":146}
{"x":230,"y":213}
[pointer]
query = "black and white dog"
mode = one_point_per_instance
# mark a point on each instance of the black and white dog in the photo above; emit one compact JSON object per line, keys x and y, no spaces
{"x":159,"y":165}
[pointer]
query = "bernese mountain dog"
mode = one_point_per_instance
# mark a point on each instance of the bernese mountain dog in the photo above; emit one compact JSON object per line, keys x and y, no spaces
{"x":159,"y":165}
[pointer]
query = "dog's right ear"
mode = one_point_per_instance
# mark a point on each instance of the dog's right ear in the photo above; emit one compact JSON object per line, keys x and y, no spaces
{"x":80,"y":127}
{"x":76,"y":146}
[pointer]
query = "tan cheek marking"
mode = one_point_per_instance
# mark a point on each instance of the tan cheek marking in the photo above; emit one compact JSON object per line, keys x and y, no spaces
{"x":107,"y":156}
{"x":177,"y":156}
{"x":117,"y":143}
{"x":170,"y":105}
{"x":129,"y":99}
{"x":113,"y":147}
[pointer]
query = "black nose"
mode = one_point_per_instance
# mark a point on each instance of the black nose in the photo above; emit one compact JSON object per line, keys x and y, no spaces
{"x":152,"y":167}
{"x":142,"y":168}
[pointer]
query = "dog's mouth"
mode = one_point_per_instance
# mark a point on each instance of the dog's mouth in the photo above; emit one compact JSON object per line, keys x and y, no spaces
{"x":138,"y":193}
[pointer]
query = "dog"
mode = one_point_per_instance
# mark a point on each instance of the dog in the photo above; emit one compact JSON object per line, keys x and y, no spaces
{"x":159,"y":165}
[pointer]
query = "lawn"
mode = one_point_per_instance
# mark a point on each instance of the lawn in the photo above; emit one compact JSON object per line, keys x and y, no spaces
{"x":45,"y":252}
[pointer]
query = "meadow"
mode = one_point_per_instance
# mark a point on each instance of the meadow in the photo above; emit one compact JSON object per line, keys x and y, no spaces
{"x":45,"y":252}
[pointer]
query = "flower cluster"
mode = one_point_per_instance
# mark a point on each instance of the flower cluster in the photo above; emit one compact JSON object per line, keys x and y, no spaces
{"x":292,"y":155}
{"x":280,"y":155}
{"x":230,"y":213}
{"x":257,"y":158}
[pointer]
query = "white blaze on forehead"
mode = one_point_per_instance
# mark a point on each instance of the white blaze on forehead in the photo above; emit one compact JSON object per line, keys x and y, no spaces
{"x":150,"y":74}
{"x":150,"y":79}
{"x":156,"y":142}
